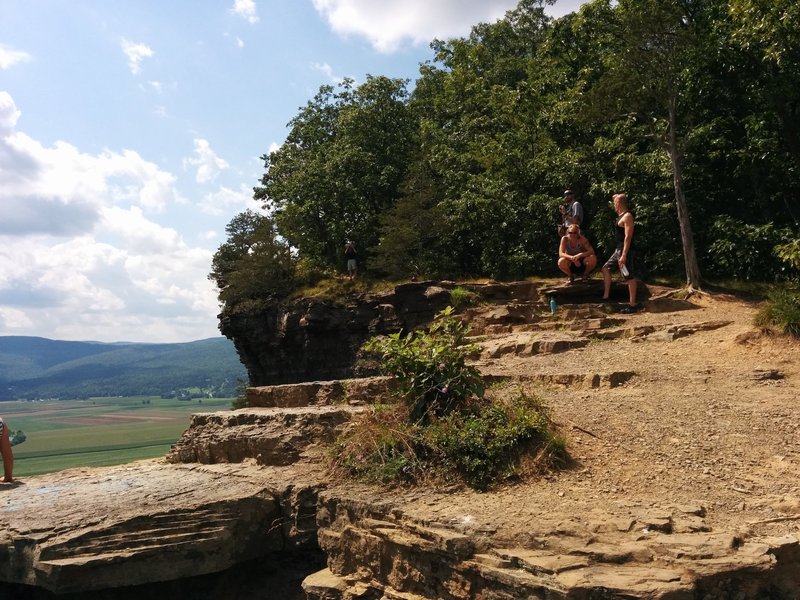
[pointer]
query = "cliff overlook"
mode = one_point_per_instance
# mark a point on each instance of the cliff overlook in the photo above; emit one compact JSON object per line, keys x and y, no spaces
{"x":680,"y":420}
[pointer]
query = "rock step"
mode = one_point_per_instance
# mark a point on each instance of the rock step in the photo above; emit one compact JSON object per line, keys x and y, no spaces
{"x":277,"y":436}
{"x":125,"y":548}
{"x":588,"y":380}
{"x":130,"y":540}
{"x":354,"y":392}
{"x":520,"y":346}
{"x":389,"y":554}
{"x":157,"y":530}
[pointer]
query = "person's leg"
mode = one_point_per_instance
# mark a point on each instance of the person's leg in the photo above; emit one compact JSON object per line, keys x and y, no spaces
{"x":591,"y":264}
{"x":632,"y":292}
{"x":606,"y":281}
{"x":563,"y":264}
{"x":8,"y":456}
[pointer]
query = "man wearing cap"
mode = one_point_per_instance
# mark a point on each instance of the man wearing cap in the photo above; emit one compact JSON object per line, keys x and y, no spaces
{"x":571,"y":210}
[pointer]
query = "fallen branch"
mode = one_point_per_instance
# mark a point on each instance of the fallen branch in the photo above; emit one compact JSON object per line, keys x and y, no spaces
{"x":586,"y":431}
{"x":775,"y":520}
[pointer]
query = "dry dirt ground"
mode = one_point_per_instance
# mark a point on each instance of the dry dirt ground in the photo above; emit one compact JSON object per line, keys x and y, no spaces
{"x":708,"y":426}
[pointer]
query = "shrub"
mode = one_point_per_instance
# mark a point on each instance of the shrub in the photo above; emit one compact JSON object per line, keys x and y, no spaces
{"x":461,"y":298}
{"x":782,"y":310}
{"x":380,"y":447}
{"x":746,"y":251}
{"x":240,"y":401}
{"x":789,"y":253}
{"x":444,"y":427}
{"x":430,"y":366}
{"x":485,"y":445}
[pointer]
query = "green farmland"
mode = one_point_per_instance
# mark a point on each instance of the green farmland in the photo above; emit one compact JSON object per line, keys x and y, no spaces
{"x":101,"y":431}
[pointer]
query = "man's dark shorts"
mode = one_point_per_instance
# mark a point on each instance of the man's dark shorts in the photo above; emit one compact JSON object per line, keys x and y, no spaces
{"x":630,"y":263}
{"x":577,"y":269}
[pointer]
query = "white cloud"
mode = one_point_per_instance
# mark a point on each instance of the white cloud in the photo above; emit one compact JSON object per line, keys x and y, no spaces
{"x":9,"y":114}
{"x":10,"y":57}
{"x":239,"y":42}
{"x":327,"y":70}
{"x":245,"y":9}
{"x":59,"y":190}
{"x":208,"y":164}
{"x":136,"y":53}
{"x":226,"y":201}
{"x":391,"y":23}
{"x":80,"y":255}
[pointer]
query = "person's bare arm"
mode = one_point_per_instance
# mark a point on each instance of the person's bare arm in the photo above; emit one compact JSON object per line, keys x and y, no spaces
{"x":627,"y":223}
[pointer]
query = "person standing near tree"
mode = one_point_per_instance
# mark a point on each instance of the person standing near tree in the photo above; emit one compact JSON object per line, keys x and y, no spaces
{"x":623,"y":257}
{"x":5,"y":451}
{"x":350,"y":254}
{"x":571,"y":210}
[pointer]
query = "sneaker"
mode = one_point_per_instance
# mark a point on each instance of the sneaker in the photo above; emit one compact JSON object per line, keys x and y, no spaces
{"x":629,"y":310}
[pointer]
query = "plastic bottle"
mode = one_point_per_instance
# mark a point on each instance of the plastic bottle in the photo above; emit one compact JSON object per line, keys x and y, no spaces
{"x":624,"y":270}
{"x":553,"y":304}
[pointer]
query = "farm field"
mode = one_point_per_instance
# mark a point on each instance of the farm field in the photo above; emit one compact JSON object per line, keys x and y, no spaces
{"x":62,"y":434}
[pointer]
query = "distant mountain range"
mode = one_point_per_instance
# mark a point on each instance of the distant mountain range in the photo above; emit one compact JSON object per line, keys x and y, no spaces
{"x":33,"y":367}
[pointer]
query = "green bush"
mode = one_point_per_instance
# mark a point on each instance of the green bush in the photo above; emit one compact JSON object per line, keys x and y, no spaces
{"x":746,"y":251}
{"x":430,"y":366}
{"x":461,"y":298}
{"x":444,"y":427}
{"x":789,"y":253}
{"x":486,"y":444}
{"x":481,"y":444}
{"x":381,"y":447}
{"x":782,"y":310}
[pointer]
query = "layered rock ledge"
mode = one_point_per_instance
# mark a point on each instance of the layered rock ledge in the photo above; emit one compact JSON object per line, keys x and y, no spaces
{"x":681,"y":423}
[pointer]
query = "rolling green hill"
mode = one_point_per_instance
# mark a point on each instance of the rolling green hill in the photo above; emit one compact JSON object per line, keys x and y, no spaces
{"x":32,"y":367}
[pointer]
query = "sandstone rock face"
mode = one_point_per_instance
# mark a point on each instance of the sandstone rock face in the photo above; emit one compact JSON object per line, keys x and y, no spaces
{"x":93,"y":529}
{"x":640,"y":515}
{"x":376,"y":550}
{"x":312,"y":339}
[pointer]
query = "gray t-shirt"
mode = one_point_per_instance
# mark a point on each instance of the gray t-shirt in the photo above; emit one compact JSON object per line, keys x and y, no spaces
{"x":574,"y":210}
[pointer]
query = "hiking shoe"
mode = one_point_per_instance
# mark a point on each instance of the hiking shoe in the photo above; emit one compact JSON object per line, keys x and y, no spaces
{"x":629,"y":310}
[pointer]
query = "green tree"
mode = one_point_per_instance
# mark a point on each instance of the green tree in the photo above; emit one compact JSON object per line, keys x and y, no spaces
{"x":345,"y":156}
{"x":479,"y":140}
{"x":254,"y":263}
{"x":650,"y":69}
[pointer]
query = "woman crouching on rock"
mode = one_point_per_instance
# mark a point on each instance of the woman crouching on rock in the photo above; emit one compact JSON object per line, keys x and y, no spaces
{"x":575,"y":254}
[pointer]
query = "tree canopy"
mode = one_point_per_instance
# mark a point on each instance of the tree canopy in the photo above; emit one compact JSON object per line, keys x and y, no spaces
{"x":691,"y":107}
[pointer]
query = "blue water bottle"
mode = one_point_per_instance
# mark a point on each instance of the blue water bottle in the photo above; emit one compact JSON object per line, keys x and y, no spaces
{"x":553,"y":305}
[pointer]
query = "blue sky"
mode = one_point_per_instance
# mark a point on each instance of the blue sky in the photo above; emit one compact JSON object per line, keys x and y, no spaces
{"x":131,"y":131}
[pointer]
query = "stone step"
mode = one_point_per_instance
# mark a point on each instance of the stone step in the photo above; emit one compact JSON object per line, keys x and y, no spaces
{"x":355,"y":392}
{"x":124,"y":546}
{"x":140,"y":533}
{"x":528,"y":346}
{"x":584,"y":380}
{"x":271,"y":436}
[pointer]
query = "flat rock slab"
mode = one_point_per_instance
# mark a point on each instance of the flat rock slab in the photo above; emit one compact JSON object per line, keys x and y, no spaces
{"x":84,"y":529}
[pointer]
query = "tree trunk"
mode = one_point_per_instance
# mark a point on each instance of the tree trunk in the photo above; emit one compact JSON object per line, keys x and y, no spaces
{"x":693,"y":278}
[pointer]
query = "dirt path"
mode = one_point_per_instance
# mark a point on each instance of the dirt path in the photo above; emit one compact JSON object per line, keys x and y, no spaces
{"x":707,"y":426}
